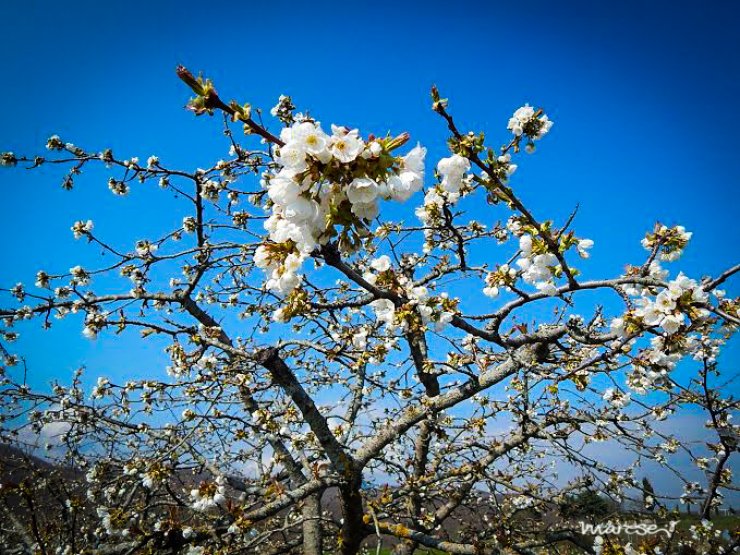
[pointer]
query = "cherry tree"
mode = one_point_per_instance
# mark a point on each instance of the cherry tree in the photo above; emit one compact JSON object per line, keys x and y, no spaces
{"x":333,"y":384}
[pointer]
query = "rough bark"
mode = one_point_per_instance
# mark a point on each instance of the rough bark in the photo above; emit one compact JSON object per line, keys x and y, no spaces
{"x":312,"y":534}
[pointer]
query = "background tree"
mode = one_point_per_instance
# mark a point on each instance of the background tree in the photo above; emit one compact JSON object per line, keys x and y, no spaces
{"x":648,"y":494}
{"x":587,"y":505}
{"x":322,"y":351}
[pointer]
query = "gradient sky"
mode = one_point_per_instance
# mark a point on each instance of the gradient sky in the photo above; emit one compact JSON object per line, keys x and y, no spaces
{"x":643,"y":95}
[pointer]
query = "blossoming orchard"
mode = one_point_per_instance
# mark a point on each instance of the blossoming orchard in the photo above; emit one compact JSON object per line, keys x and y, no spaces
{"x":335,"y":383}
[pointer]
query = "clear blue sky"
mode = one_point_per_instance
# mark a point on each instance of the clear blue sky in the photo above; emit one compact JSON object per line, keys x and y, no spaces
{"x":643,"y":95}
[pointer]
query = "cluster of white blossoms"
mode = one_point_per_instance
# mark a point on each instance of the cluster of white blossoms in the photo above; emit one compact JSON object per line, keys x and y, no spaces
{"x":145,"y":248}
{"x":93,"y":324}
{"x":101,"y":388}
{"x":526,"y":121}
{"x":583,"y":247}
{"x":118,"y":188}
{"x":106,"y":521}
{"x":80,"y":276}
{"x":453,"y":170}
{"x":43,"y":280}
{"x":438,"y":310}
{"x":668,"y":310}
{"x":672,"y":311}
{"x":455,"y":183}
{"x":326,"y":180}
{"x":385,"y":311}
{"x":654,"y":363}
{"x":453,"y":173}
{"x":80,"y":228}
{"x":149,"y":480}
{"x":431,"y":211}
{"x":359,"y":338}
{"x":540,"y":267}
{"x":537,"y":269}
{"x":669,"y":241}
{"x":703,"y":533}
{"x":189,"y":224}
{"x":616,"y":398}
{"x":209,"y":494}
{"x":503,"y":277}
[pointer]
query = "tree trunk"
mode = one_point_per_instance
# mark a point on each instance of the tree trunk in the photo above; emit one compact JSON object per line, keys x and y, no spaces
{"x":312,"y":533}
{"x":353,"y":529}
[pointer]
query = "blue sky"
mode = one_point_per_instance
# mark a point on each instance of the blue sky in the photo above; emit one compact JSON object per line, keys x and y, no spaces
{"x":642,"y":94}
